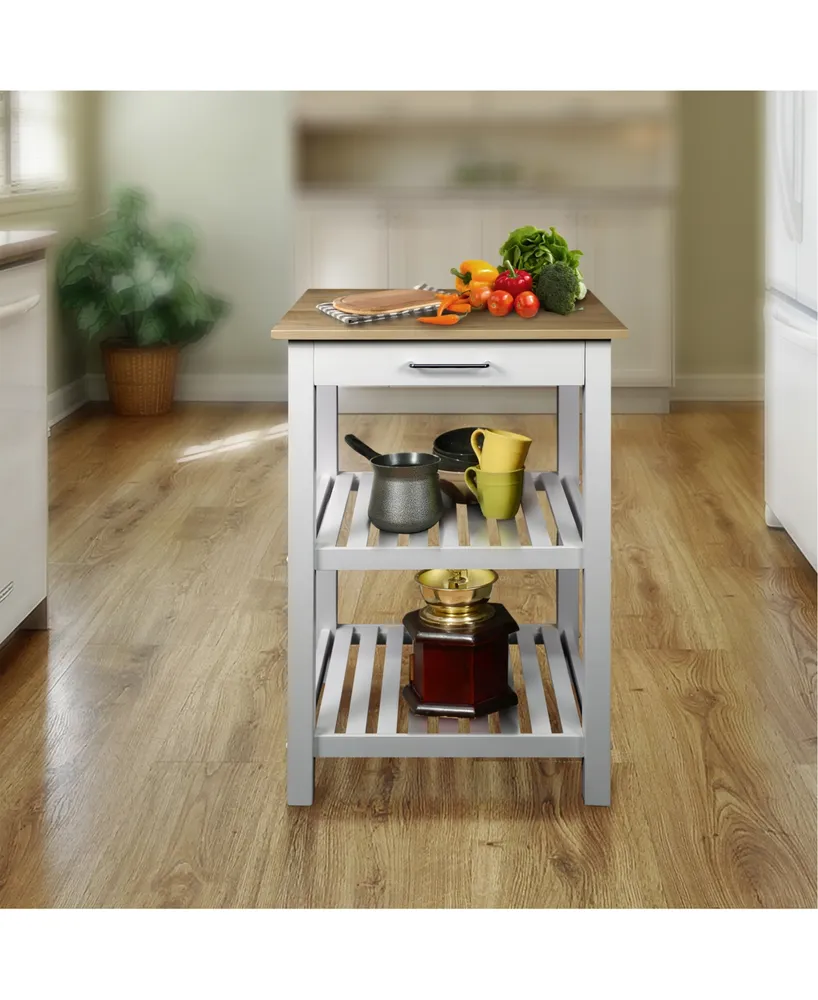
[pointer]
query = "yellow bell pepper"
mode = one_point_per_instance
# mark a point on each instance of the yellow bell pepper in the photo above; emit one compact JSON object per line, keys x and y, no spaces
{"x":479,"y":272}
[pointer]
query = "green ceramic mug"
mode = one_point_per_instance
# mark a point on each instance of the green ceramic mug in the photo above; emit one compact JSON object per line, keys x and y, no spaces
{"x":498,"y":493}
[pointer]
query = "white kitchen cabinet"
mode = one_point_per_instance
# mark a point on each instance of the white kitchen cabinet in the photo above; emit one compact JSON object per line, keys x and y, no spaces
{"x":322,"y":107}
{"x":426,"y":242}
{"x":532,"y":105}
{"x":23,"y":443}
{"x":628,"y":262}
{"x":341,"y":244}
{"x":500,"y":219}
{"x":791,"y":441}
{"x":343,"y":106}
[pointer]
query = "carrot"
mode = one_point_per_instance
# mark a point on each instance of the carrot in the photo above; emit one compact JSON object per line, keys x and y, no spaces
{"x":459,"y":307}
{"x":448,"y":320}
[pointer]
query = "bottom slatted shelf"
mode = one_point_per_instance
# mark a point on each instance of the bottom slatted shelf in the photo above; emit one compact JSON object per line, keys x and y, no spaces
{"x":361,"y":713}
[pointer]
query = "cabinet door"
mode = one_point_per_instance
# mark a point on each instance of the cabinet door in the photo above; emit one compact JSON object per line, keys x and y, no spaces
{"x":426,"y":242}
{"x":434,"y":105}
{"x":807,"y":182}
{"x":627,"y":103}
{"x":544,"y":104}
{"x":501,"y":219}
{"x":23,"y":443}
{"x":344,"y":245}
{"x":328,"y":106}
{"x":628,"y":264}
{"x":525,"y":104}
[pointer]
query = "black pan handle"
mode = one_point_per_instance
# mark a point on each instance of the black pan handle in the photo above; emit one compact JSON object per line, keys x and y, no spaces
{"x":356,"y":444}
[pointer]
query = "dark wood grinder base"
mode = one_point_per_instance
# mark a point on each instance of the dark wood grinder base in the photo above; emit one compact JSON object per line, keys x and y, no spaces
{"x":460,"y":672}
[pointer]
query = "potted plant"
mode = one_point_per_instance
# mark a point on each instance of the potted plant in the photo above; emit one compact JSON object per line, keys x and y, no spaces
{"x":132,"y":285}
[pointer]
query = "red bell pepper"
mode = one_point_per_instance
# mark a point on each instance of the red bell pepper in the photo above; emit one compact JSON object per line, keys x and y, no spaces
{"x":514,"y":281}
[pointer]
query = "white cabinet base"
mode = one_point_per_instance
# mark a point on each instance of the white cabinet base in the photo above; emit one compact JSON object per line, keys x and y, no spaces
{"x":791,"y":414}
{"x":23,"y":446}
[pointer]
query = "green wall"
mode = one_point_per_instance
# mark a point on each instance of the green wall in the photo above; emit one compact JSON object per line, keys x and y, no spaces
{"x":720,"y":234}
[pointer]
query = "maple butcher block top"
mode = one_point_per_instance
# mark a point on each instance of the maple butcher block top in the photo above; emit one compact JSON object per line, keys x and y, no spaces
{"x":592,"y":322}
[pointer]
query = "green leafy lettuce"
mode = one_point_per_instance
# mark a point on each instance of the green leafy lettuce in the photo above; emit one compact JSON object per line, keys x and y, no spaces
{"x":531,"y":249}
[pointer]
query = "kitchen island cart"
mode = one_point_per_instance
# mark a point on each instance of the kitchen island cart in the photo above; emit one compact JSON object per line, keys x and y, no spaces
{"x":329,"y":531}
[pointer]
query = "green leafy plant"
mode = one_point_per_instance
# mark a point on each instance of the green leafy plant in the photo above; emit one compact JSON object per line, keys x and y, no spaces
{"x":134,"y":282}
{"x":532,"y":249}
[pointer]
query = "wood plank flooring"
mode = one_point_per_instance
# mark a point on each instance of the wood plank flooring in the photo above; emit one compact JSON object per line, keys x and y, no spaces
{"x":142,"y":757}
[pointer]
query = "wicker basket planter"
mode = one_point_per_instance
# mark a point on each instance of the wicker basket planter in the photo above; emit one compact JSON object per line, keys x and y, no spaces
{"x":141,"y":380}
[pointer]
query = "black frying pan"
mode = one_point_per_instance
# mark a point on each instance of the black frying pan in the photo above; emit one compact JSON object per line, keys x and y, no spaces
{"x":454,"y":449}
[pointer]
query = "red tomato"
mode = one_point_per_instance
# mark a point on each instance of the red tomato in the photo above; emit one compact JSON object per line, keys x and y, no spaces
{"x":526,"y":305}
{"x":499,"y":303}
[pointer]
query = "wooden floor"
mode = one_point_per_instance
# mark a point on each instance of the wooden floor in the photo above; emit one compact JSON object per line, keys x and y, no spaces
{"x":142,"y":757}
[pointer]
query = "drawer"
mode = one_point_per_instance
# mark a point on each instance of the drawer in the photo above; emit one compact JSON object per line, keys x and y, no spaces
{"x":487,"y":363}
{"x":23,"y":324}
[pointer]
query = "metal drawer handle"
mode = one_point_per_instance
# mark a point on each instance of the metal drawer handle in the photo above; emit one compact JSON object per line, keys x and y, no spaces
{"x":18,"y":308}
{"x":476,"y":364}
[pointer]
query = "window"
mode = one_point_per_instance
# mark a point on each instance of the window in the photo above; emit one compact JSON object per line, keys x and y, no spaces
{"x":33,"y":142}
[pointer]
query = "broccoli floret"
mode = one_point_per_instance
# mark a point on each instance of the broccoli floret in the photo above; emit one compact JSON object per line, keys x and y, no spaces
{"x":558,"y":287}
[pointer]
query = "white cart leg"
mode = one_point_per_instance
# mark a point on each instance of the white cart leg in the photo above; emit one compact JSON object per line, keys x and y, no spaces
{"x":301,"y":576}
{"x":326,"y":463}
{"x":568,"y":465}
{"x":596,"y":590}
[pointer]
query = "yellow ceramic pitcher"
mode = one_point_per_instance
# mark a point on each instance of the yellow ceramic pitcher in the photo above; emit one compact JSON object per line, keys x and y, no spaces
{"x":500,"y":451}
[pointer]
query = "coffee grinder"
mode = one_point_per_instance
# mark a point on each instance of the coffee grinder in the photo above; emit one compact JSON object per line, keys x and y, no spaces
{"x":459,"y":664}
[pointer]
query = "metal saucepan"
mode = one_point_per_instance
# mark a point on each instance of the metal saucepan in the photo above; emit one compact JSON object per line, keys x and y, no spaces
{"x":453,"y":448}
{"x":405,"y":494}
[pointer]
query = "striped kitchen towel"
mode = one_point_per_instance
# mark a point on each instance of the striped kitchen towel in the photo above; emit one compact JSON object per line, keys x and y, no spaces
{"x":351,"y":319}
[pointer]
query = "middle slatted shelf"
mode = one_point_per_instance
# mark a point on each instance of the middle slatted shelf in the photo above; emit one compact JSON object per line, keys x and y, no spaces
{"x":546,"y":533}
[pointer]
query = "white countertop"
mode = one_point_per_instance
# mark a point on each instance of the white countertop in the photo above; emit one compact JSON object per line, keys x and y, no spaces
{"x":16,"y":243}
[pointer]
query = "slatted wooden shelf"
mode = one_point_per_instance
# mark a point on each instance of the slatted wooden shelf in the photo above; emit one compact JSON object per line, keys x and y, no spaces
{"x":549,"y":727}
{"x":522,"y":543}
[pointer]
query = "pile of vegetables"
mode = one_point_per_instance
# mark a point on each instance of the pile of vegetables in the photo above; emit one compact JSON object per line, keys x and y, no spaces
{"x":538,"y":270}
{"x":534,"y":249}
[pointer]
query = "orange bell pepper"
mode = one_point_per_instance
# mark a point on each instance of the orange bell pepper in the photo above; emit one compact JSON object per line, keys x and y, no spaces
{"x":474,"y":271}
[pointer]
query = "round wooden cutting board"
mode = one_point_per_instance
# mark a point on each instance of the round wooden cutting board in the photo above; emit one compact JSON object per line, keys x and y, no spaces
{"x":385,"y":300}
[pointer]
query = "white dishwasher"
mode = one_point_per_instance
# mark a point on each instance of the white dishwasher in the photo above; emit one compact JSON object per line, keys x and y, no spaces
{"x":23,"y":444}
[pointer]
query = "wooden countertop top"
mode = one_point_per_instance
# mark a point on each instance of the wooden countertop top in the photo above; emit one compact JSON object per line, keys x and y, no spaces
{"x":592,"y":322}
{"x":15,"y":243}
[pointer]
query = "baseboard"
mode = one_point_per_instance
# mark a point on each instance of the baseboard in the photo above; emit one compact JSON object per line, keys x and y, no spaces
{"x":477,"y":401}
{"x":226,"y":388}
{"x":718,"y":388}
{"x":261,"y":388}
{"x":64,"y":401}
